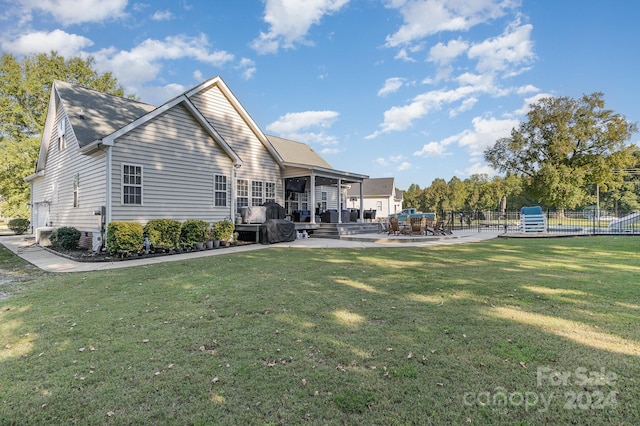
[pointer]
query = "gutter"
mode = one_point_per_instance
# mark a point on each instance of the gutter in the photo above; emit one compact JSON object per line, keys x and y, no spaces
{"x":34,"y":176}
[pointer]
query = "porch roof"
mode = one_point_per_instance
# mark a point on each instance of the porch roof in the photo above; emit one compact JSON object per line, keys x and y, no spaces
{"x":300,"y":160}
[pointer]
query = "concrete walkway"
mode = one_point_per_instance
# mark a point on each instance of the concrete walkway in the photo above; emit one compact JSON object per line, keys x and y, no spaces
{"x":25,"y":247}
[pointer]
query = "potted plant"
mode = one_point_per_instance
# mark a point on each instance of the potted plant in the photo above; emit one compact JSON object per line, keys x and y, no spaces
{"x":210,"y":238}
{"x":223,"y":230}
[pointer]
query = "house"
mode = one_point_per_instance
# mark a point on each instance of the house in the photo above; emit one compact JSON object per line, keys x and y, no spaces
{"x":379,"y":194}
{"x":200,"y":155}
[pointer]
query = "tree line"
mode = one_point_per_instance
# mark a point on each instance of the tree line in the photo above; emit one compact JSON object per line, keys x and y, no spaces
{"x":482,"y":193}
{"x":567,"y":154}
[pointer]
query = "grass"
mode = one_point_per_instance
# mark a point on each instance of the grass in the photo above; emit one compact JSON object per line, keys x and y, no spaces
{"x":509,"y":331}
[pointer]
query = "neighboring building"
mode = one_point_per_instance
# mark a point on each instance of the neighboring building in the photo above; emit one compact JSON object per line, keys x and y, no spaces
{"x":105,"y":158}
{"x":379,"y":194}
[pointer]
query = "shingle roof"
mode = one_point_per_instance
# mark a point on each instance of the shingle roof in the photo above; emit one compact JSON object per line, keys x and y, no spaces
{"x":94,"y":114}
{"x":373,"y":187}
{"x":297,"y":152}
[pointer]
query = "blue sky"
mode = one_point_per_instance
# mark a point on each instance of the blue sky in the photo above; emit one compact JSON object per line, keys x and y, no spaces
{"x":413,"y":89}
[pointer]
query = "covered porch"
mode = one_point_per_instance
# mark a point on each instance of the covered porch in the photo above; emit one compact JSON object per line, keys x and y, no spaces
{"x":319,"y":195}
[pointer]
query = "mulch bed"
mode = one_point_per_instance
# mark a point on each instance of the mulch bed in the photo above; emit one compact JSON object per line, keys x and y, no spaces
{"x":83,"y":255}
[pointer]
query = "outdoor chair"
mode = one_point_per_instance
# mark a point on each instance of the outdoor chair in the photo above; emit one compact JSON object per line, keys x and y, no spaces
{"x":383,"y":227}
{"x":438,"y":227}
{"x":393,"y":226}
{"x":428,"y":227}
{"x":416,"y":226}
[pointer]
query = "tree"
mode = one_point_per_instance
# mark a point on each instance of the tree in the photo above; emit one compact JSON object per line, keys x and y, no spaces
{"x":457,"y":193}
{"x":565,"y":147}
{"x":437,"y":196}
{"x":412,"y":196}
{"x":24,"y":97}
{"x":481,"y":193}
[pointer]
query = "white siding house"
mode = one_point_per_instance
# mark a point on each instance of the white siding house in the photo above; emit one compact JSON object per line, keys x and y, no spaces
{"x":379,"y":194}
{"x":105,"y":158}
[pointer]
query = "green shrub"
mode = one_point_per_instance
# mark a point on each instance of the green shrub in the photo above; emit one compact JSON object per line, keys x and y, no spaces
{"x":19,"y":226}
{"x":223,"y":230}
{"x":193,"y":231}
{"x":163,"y":232}
{"x":66,"y":237}
{"x":124,"y":237}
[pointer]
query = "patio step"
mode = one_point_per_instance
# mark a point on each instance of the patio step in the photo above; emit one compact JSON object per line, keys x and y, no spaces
{"x":336,"y":230}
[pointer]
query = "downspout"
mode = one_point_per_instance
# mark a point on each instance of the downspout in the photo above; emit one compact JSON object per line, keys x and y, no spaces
{"x":32,"y":206}
{"x":108,"y":195}
{"x":234,"y":189}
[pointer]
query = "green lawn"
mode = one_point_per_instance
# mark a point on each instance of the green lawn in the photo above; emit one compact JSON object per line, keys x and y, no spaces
{"x":510,"y":331}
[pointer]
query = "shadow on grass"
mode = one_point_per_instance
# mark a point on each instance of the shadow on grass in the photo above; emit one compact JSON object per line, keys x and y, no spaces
{"x":390,"y":335}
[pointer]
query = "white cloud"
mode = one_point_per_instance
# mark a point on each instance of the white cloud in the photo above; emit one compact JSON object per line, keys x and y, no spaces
{"x":158,"y":95}
{"x":143,"y":63}
{"x":477,"y":168}
{"x":402,"y":117}
{"x":432,"y":149}
{"x":67,"y":45}
{"x":162,"y":15}
{"x":290,"y":20}
{"x":486,"y":131}
{"x":529,"y":88}
{"x":466,"y":105}
{"x":404,"y":166}
{"x":69,"y":12}
{"x":381,"y":161}
{"x":328,"y":151}
{"x":247,"y":67}
{"x":423,"y":18}
{"x":444,"y":54}
{"x":526,"y":105}
{"x":403,"y":55}
{"x":298,"y":126}
{"x":295,"y":121}
{"x":513,"y":48}
{"x":391,"y":85}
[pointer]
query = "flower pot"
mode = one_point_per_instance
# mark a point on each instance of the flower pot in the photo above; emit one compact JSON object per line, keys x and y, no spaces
{"x":209,"y":244}
{"x":200,"y":246}
{"x":216,"y":243}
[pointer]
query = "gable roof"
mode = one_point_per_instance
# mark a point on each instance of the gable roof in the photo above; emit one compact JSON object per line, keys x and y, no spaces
{"x":297,"y":152}
{"x":93,"y":114}
{"x":231,"y":98}
{"x":373,"y":187}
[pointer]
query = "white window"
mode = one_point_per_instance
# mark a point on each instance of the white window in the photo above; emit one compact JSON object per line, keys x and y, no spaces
{"x":304,"y":201}
{"x":242,"y":198}
{"x":62,"y":126}
{"x":76,"y":186}
{"x":131,"y":184}
{"x":256,"y":193}
{"x":269,"y":192}
{"x":323,"y":197}
{"x":220,"y":189}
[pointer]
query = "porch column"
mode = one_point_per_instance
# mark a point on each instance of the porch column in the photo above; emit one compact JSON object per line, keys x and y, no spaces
{"x":362,"y":201}
{"x":340,"y":206}
{"x":312,"y":198}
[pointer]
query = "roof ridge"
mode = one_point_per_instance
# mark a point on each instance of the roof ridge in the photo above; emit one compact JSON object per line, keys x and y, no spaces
{"x":83,"y":87}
